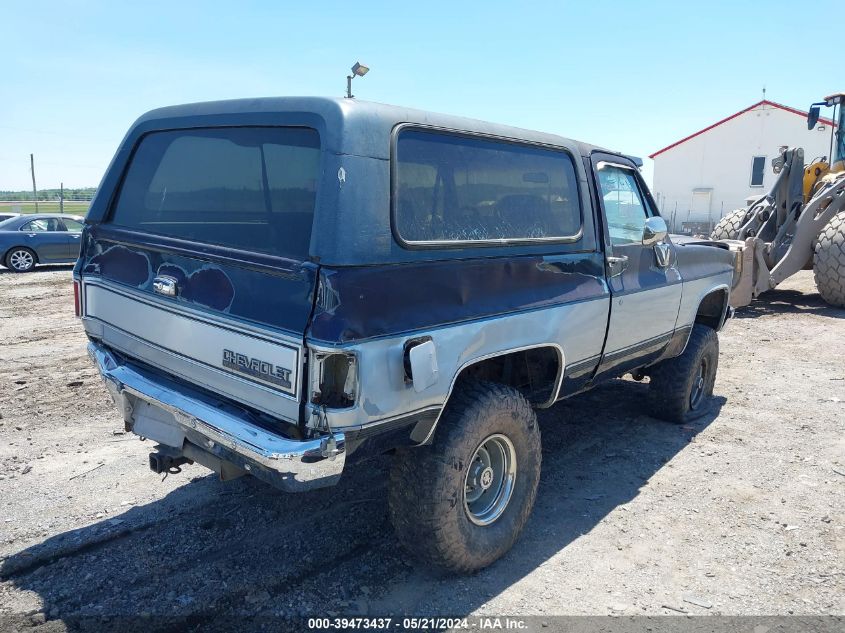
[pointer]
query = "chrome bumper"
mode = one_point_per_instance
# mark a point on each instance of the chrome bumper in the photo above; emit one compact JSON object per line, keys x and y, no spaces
{"x":176,"y":415}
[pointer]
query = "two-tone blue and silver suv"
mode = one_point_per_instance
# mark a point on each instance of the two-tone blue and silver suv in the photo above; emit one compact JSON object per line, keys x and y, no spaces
{"x":280,"y":286}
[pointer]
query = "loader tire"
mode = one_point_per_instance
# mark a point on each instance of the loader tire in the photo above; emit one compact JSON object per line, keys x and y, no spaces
{"x":829,"y":261}
{"x":728,"y":227}
{"x":680,"y":387}
{"x":461,"y":502}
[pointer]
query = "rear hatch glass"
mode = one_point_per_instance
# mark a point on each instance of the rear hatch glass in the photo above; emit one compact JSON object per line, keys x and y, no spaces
{"x":248,"y":188}
{"x":159,"y":288}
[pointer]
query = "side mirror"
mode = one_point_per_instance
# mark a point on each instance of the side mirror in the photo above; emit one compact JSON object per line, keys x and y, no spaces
{"x":654,"y":231}
{"x":813,"y":117}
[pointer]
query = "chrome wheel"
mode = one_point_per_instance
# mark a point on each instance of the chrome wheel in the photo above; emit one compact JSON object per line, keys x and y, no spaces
{"x":21,"y":260}
{"x":699,"y":383}
{"x":490,"y":479}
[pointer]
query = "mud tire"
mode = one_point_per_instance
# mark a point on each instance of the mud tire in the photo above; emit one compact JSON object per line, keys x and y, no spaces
{"x":829,"y":261}
{"x":427,"y":491}
{"x":728,"y":227}
{"x":679,"y":388}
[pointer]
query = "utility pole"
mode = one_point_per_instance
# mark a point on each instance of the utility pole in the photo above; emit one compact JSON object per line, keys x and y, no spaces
{"x":61,"y":197}
{"x":34,"y":189}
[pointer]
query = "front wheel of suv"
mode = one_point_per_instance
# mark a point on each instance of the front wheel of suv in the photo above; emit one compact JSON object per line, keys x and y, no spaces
{"x":680,"y":387}
{"x":460,"y":503}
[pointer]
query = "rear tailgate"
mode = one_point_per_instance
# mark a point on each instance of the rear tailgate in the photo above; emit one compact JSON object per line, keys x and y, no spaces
{"x":200,"y":269}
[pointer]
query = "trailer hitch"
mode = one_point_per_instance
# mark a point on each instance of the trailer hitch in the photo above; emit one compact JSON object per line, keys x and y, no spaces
{"x":167,"y":460}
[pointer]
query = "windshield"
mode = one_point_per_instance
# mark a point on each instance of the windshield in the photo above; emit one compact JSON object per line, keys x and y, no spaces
{"x":251,"y":188}
{"x":839,"y":150}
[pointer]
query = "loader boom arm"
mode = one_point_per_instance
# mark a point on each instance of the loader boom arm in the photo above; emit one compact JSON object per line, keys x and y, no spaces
{"x":778,"y":232}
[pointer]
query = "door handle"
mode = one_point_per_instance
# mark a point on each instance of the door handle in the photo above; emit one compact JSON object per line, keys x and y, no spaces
{"x":616,"y":265}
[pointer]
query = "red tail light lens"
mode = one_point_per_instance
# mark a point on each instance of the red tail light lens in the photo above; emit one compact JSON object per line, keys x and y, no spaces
{"x":76,"y":304}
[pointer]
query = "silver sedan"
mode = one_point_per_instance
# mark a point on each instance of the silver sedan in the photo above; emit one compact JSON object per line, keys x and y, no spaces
{"x":42,"y":238}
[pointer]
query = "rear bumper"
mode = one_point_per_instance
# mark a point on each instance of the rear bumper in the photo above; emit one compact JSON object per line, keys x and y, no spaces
{"x":161,"y":409}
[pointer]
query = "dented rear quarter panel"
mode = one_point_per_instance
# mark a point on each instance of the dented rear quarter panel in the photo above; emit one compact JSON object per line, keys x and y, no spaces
{"x":470,"y":309}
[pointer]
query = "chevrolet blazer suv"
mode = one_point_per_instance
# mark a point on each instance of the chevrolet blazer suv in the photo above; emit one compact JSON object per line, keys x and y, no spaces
{"x":279,"y":287}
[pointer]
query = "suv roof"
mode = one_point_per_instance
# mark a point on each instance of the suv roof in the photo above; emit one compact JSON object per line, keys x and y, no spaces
{"x":375,"y":121}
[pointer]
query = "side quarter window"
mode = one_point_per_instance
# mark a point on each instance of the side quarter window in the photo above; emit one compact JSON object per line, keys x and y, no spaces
{"x":623,"y":204}
{"x":72,"y":225}
{"x":453,"y":188}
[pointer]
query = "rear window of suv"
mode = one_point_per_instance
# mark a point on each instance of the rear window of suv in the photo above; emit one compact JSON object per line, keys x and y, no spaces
{"x":250,"y":188}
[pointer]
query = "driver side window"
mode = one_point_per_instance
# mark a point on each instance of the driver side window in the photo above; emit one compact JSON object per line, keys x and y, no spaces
{"x":624,"y":208}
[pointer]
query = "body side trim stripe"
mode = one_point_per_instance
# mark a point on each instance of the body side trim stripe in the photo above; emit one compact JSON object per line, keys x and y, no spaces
{"x":580,"y":366}
{"x":631,"y":349}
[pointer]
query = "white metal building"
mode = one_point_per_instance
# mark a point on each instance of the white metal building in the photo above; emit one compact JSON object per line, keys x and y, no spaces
{"x":707,"y":174}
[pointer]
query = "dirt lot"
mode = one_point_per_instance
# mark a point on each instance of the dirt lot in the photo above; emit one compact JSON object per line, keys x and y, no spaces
{"x":740,"y":513}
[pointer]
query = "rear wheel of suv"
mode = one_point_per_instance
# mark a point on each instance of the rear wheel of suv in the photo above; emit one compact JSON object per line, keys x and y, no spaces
{"x":20,"y":259}
{"x":680,"y":387}
{"x":460,"y":503}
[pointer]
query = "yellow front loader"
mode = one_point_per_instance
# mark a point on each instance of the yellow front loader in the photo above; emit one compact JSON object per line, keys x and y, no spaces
{"x":798,"y":225}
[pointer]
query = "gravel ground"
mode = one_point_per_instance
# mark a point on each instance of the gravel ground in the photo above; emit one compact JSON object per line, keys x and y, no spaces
{"x":741,"y":513}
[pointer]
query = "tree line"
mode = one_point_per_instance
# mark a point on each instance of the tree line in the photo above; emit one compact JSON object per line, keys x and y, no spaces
{"x":46,"y":195}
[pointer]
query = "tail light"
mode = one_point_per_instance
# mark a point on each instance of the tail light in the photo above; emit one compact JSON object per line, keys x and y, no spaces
{"x":77,"y":305}
{"x":334,"y":379}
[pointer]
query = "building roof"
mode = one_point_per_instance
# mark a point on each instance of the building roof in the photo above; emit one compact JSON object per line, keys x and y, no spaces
{"x":764,"y":102}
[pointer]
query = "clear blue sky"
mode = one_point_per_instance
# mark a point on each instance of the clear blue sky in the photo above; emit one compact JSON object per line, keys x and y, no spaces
{"x":632,"y":76}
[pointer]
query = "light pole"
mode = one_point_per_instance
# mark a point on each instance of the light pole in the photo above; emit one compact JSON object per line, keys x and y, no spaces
{"x":358,"y":70}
